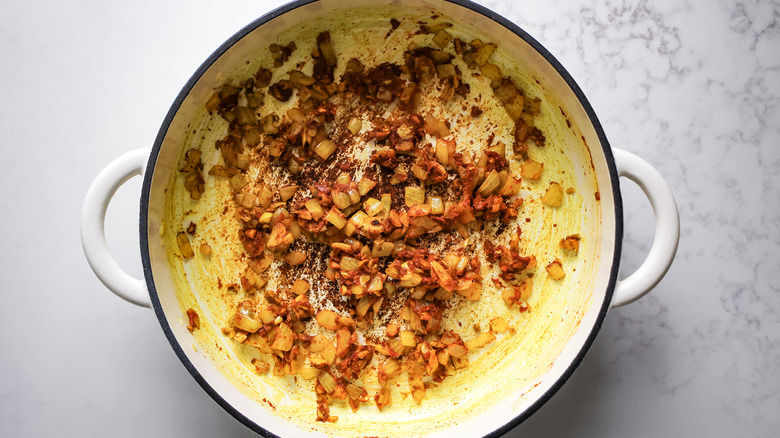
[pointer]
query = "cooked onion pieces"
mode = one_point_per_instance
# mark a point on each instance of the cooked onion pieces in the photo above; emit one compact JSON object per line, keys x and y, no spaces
{"x":361,"y":234}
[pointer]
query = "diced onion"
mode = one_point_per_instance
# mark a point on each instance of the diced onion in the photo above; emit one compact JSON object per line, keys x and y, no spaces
{"x":287,"y":192}
{"x":498,"y":325}
{"x":341,"y":200}
{"x":327,"y":318}
{"x":442,"y":38}
{"x":437,"y":205}
{"x":283,"y":340}
{"x":365,"y":185}
{"x":354,"y":391}
{"x":296,"y":114}
{"x":555,"y":269}
{"x":308,"y":372}
{"x":325,"y":148}
{"x":184,"y":245}
{"x":355,"y":125}
{"x":445,"y":70}
{"x":295,"y":258}
{"x":238,"y":182}
{"x":553,"y":197}
{"x":414,"y":195}
{"x":363,"y":305}
{"x":383,"y":249}
{"x":483,"y":53}
{"x":336,"y":218}
{"x":300,"y":287}
{"x":327,"y":382}
{"x":531,"y":169}
{"x":408,"y":339}
{"x":314,"y":208}
{"x":349,"y":263}
{"x":436,"y":127}
{"x":373,"y":207}
{"x":457,"y":350}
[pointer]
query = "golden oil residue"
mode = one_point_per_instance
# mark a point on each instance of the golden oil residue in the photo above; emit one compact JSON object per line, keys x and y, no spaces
{"x":517,"y":359}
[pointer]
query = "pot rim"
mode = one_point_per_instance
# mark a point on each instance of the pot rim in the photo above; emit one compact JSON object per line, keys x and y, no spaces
{"x":222,"y":49}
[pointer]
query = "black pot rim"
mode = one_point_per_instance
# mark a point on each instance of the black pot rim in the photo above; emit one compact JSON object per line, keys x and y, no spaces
{"x":500,"y":20}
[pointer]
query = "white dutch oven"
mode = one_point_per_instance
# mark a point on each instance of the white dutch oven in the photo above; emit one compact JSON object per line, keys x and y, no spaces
{"x":499,"y":391}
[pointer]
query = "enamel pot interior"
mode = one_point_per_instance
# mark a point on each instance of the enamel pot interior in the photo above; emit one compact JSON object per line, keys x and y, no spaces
{"x":500,"y":388}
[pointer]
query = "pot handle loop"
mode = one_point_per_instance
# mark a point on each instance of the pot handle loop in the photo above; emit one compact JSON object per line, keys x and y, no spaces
{"x":667,"y":228}
{"x":93,"y":234}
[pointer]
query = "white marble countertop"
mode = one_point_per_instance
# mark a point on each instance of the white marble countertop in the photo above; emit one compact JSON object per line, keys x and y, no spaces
{"x":692,"y":86}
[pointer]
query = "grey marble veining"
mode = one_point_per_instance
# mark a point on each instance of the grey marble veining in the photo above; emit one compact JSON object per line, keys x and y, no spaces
{"x":692,"y":86}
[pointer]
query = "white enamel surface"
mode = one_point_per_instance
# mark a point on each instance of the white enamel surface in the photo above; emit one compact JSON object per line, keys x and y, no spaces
{"x":690,"y":86}
{"x":667,"y":228}
{"x":93,"y":235}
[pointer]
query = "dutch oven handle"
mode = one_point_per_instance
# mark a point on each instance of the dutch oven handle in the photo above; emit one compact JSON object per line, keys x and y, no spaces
{"x":667,"y":228}
{"x":93,"y":234}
